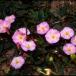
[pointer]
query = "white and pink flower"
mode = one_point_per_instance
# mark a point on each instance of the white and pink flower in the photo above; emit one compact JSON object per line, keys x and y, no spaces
{"x":10,"y":18}
{"x":28,"y":45}
{"x":4,"y":26}
{"x":69,"y":49}
{"x":52,"y":36}
{"x":20,"y":35}
{"x":73,"y":40}
{"x":17,"y":62}
{"x":67,"y":33}
{"x":42,"y":28}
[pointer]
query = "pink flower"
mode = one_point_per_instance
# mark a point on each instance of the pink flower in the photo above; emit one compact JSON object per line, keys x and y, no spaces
{"x":4,"y":26}
{"x":10,"y":18}
{"x":17,"y":62}
{"x":73,"y":40}
{"x":52,"y":36}
{"x":67,"y":33}
{"x":18,"y":38}
{"x":42,"y":28}
{"x":20,"y":35}
{"x":1,"y":21}
{"x":23,"y":30}
{"x":69,"y":49}
{"x":28,"y":45}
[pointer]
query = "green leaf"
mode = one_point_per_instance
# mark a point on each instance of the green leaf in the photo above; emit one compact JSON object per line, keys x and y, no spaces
{"x":73,"y":57}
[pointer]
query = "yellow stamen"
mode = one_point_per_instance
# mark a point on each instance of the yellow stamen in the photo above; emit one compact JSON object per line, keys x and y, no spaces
{"x":20,"y":37}
{"x":42,"y":28}
{"x":28,"y":46}
{"x":53,"y":37}
{"x":67,"y":33}
{"x":69,"y":49}
{"x":17,"y":61}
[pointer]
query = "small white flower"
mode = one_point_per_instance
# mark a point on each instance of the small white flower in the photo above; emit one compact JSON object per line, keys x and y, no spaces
{"x":42,"y":28}
{"x":28,"y":45}
{"x":67,"y":33}
{"x":52,"y":36}
{"x":17,"y":62}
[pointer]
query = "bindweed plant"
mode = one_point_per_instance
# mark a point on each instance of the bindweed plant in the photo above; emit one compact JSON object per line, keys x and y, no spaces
{"x":52,"y":36}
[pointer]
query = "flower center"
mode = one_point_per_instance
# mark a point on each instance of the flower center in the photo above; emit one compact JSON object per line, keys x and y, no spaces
{"x":42,"y":28}
{"x":28,"y":46}
{"x":67,"y":33}
{"x":69,"y":49}
{"x":17,"y":61}
{"x":53,"y":37}
{"x":4,"y":27}
{"x":20,"y":37}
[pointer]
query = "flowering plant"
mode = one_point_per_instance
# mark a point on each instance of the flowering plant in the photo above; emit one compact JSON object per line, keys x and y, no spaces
{"x":36,"y":40}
